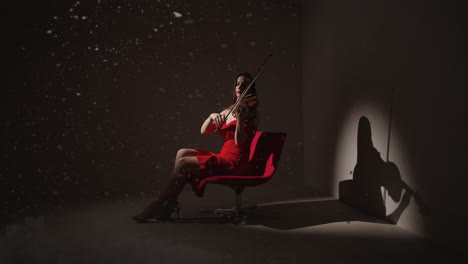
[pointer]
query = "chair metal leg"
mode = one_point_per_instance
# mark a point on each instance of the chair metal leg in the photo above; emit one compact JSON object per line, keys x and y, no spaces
{"x":237,"y":213}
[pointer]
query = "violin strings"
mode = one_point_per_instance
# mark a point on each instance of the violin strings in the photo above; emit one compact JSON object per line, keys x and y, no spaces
{"x":248,"y":87}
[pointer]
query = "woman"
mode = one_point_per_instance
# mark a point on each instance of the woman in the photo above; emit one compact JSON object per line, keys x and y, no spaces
{"x":192,"y":165}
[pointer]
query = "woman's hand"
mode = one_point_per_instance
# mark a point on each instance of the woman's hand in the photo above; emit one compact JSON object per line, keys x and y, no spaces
{"x":218,"y":119}
{"x":244,"y":108}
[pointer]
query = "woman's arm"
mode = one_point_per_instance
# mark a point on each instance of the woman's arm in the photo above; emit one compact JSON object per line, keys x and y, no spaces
{"x":212,"y":122}
{"x":245,"y":127}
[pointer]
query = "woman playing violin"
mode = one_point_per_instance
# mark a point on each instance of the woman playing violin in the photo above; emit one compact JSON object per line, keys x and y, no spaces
{"x":192,"y":165}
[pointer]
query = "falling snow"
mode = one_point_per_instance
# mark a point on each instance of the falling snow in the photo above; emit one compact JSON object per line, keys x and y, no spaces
{"x":177,"y":14}
{"x":110,"y":66}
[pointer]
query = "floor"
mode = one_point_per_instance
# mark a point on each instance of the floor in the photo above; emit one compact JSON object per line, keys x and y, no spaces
{"x":309,"y":230}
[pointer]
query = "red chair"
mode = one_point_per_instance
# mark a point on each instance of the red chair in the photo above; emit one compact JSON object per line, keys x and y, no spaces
{"x":265,"y":152}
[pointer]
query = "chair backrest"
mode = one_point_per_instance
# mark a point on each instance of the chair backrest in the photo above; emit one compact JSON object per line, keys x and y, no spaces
{"x":265,"y":152}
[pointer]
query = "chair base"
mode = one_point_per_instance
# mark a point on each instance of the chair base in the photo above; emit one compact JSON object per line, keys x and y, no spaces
{"x":237,"y":214}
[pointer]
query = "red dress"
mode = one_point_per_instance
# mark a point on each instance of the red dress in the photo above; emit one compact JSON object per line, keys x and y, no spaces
{"x":232,"y":159}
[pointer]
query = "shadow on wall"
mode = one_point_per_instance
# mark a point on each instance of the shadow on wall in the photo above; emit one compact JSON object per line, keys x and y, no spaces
{"x":371,"y":173}
{"x":363,"y":193}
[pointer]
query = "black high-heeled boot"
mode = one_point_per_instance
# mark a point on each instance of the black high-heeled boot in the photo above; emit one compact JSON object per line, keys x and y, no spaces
{"x":158,"y":211}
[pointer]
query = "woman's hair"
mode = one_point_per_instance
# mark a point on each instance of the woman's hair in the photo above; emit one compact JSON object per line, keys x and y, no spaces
{"x":250,"y":93}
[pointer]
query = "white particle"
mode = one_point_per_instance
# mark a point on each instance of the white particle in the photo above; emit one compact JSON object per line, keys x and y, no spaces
{"x":155,"y":29}
{"x":78,"y":94}
{"x":49,"y":31}
{"x":177,"y":14}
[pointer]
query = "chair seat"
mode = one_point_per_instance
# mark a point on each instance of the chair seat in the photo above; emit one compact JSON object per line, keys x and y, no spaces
{"x":265,"y":152}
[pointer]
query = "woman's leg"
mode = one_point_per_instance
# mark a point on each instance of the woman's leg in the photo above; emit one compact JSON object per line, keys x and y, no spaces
{"x":185,"y":152}
{"x":185,"y":161}
{"x":183,"y":165}
{"x":181,"y":168}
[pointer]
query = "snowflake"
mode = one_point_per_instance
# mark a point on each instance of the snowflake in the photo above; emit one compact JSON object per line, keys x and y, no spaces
{"x":177,"y":14}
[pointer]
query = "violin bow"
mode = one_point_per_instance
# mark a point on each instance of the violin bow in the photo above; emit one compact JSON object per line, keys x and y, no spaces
{"x":241,"y":97}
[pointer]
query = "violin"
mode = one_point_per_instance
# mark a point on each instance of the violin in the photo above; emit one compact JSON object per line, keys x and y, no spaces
{"x":248,"y":100}
{"x":246,"y":108}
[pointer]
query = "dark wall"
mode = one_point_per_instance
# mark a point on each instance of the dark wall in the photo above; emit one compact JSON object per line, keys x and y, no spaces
{"x":400,"y":64}
{"x":100,"y":95}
